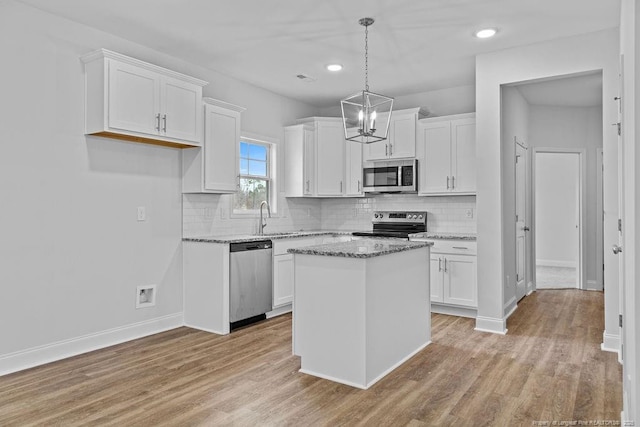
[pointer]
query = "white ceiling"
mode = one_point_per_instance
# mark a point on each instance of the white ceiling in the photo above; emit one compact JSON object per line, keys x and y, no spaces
{"x":414,"y":45}
{"x":583,"y":90}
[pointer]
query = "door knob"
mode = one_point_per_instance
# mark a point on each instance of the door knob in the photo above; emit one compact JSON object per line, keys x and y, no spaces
{"x":616,"y":249}
{"x":525,"y":228}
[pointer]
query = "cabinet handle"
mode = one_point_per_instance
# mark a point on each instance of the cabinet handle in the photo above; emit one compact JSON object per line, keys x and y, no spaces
{"x":453,"y":182}
{"x":390,"y":150}
{"x":447,"y":183}
{"x":307,"y":186}
{"x":359,"y":188}
{"x":460,"y":247}
{"x":158,"y":122}
{"x":164,"y":123}
{"x":341,"y":186}
{"x":386,"y":149}
{"x":439,"y":264}
{"x":445,"y":265}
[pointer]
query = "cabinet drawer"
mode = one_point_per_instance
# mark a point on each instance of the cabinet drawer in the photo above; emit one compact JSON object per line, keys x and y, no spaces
{"x":281,"y":246}
{"x":462,"y":247}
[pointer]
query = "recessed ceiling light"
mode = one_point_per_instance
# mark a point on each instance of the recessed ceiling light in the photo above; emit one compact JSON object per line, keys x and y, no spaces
{"x":334,"y":67}
{"x":486,"y":33}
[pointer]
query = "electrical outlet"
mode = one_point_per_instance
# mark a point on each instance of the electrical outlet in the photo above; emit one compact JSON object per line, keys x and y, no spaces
{"x":469,"y":213}
{"x":146,"y":296}
{"x":142,"y":213}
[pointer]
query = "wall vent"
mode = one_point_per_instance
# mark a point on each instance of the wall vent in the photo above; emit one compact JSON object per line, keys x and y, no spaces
{"x":305,"y":78}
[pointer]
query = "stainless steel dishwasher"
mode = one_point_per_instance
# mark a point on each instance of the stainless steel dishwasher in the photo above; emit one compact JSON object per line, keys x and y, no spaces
{"x":250,"y":282}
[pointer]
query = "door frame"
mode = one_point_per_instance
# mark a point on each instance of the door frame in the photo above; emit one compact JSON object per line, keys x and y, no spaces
{"x":528,"y":281}
{"x":582,"y":200}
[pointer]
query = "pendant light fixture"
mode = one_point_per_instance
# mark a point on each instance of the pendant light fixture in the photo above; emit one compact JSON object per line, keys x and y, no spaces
{"x":366,"y":115}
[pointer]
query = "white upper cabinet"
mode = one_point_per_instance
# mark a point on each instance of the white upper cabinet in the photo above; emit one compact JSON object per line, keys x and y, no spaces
{"x":446,"y":153}
{"x":401,"y":141}
{"x":353,"y":172}
{"x":299,"y":153}
{"x":319,"y":162}
{"x":133,"y":100}
{"x":214,"y":167}
{"x":330,"y":157}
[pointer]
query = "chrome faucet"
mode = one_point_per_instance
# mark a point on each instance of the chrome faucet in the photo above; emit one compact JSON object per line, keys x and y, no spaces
{"x":263,"y":222}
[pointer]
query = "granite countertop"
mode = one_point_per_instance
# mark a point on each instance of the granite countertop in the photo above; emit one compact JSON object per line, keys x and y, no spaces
{"x":444,"y":235}
{"x":364,"y":248}
{"x":240,"y":238}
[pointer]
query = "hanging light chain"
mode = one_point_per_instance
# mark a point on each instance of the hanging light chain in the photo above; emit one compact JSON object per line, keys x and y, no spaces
{"x":366,"y":57}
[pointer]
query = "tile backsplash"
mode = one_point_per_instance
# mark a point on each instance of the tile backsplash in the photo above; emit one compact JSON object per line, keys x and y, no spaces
{"x":444,"y":213}
{"x":210,"y":214}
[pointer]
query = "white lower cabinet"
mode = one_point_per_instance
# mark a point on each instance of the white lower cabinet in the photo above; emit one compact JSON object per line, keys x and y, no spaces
{"x":282,"y":279}
{"x":283,"y":267}
{"x":453,"y":273}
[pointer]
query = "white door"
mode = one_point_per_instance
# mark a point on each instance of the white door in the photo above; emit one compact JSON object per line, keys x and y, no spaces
{"x":330,"y":149}
{"x":402,"y":137}
{"x":437,"y":158}
{"x":460,"y":280}
{"x":463,"y":156}
{"x":134,"y":99}
{"x":222,"y":133}
{"x":521,"y":221}
{"x":353,"y":171}
{"x":435,"y":275}
{"x":182,"y":114}
{"x":557,"y":219}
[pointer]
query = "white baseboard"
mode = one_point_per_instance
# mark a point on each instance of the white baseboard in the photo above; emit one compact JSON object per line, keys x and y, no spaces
{"x":592,"y":285}
{"x":279,"y":311}
{"x":610,"y":343}
{"x":510,"y":307}
{"x":453,"y":310}
{"x":490,"y":324}
{"x":36,"y":356}
{"x":555,"y":263}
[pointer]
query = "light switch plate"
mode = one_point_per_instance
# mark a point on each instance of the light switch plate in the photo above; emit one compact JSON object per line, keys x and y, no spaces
{"x":469,"y":213}
{"x":142,"y":213}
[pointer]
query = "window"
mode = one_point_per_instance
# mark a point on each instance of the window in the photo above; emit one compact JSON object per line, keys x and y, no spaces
{"x":256,"y":182}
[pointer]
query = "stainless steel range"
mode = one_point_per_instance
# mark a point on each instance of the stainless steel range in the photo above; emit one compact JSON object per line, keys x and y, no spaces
{"x":396,"y":224}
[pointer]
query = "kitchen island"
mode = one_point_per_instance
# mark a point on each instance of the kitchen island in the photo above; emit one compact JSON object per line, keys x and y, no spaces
{"x":361,"y":308}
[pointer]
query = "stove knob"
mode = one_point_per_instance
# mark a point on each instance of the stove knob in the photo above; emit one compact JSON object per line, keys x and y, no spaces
{"x":375,"y":215}
{"x":419,"y":216}
{"x":415,"y":216}
{"x":381,"y":215}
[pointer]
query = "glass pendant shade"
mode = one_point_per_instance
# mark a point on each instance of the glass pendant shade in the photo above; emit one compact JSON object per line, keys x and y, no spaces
{"x":366,"y":117}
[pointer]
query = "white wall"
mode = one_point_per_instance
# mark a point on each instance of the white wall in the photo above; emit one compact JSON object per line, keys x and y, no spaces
{"x":630,"y":162}
{"x":556,"y":209}
{"x":72,"y":251}
{"x":590,"y":52}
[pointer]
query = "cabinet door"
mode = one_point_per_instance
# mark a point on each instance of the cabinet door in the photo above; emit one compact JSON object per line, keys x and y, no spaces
{"x":376,"y":151}
{"x":434,"y":172}
{"x":181,"y":110}
{"x":436,"y":278}
{"x":134,"y":99}
{"x":282,"y":279}
{"x":402,"y":137}
{"x":460,"y":280}
{"x":330,"y":151}
{"x":354,"y":169}
{"x":222,"y":134}
{"x":463,"y":162}
{"x":309,"y":162}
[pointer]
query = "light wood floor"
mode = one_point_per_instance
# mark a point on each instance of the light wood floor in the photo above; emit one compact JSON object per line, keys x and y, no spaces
{"x":548,"y":367}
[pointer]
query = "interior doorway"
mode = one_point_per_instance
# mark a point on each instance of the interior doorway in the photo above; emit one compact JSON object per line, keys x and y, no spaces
{"x":558,"y":218}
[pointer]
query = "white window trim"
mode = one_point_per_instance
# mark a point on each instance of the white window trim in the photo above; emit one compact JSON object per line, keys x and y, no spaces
{"x":272,"y":168}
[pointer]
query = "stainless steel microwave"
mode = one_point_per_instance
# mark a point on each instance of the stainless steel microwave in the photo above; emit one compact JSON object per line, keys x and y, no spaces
{"x":397,"y":176}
